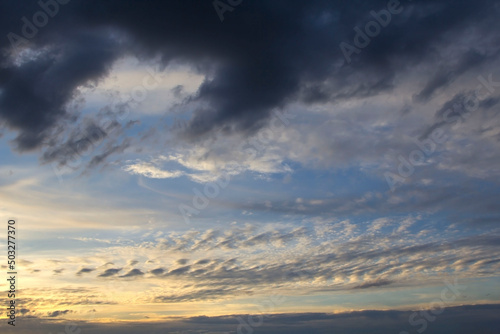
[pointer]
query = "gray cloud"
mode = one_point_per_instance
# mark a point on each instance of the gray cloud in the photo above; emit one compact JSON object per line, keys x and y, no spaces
{"x":132,"y":273}
{"x":372,"y":284}
{"x":55,"y":314}
{"x":85,"y":270}
{"x":34,"y":106}
{"x":255,"y":63}
{"x":446,"y":75}
{"x":454,"y":320}
{"x":110,"y":272}
{"x":157,"y":271}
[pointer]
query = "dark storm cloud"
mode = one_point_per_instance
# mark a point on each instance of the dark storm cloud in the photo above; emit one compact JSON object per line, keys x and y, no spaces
{"x":262,"y":56}
{"x":36,"y":93}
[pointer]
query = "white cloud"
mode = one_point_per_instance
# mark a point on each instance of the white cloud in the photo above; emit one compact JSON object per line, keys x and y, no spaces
{"x":149,"y":170}
{"x":208,"y":162}
{"x":378,"y":224}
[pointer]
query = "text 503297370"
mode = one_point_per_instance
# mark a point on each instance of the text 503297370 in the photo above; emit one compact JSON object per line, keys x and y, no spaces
{"x":11,"y":271}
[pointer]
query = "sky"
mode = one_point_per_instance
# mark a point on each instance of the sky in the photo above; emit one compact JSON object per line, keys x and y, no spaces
{"x":237,"y":166}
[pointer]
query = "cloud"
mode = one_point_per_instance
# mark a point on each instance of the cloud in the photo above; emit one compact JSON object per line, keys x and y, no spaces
{"x":55,"y":314}
{"x":179,"y":271}
{"x":26,"y":263}
{"x":376,"y":283}
{"x":34,"y":107}
{"x":378,"y":224}
{"x":320,"y":258}
{"x":248,"y":71}
{"x":157,"y":271}
{"x":58,"y":271}
{"x":110,"y":272}
{"x":78,"y":143}
{"x":446,"y":75}
{"x":132,"y":262}
{"x":456,"y":320}
{"x":85,"y":270}
{"x":204,"y":294}
{"x":131,"y":273}
{"x":149,"y":170}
